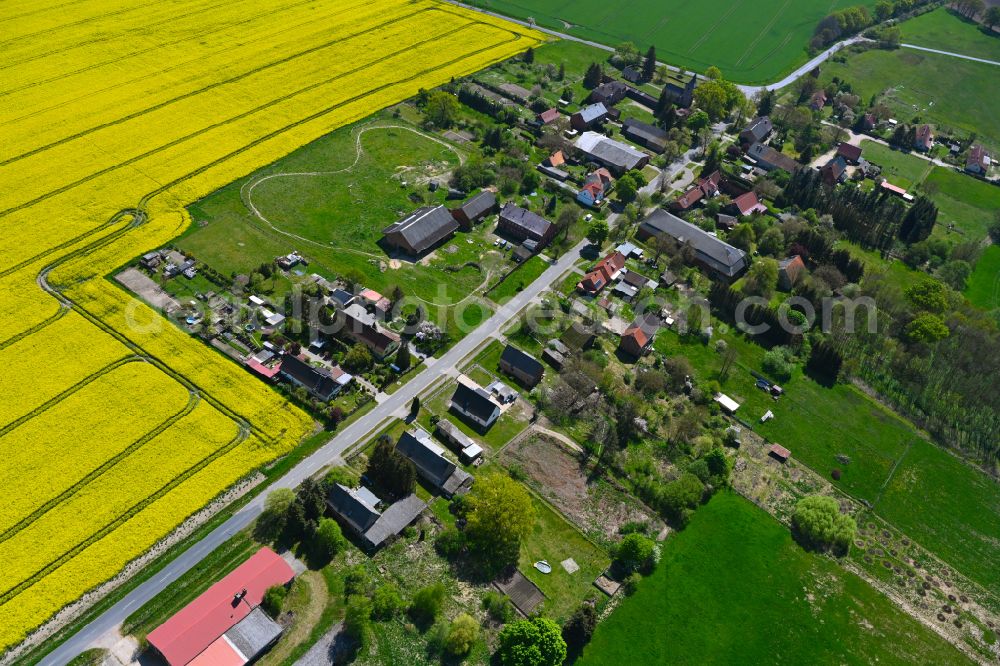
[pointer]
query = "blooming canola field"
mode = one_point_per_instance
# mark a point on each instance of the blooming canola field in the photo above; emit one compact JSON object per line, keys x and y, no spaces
{"x":115,"y":426}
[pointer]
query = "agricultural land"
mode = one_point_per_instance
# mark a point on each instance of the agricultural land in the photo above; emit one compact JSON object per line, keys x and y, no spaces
{"x":752,"y":43}
{"x":107,"y":138}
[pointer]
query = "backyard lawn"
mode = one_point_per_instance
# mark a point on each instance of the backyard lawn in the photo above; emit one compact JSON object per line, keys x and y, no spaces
{"x":945,"y":30}
{"x":733,"y":587}
{"x":898,"y":168}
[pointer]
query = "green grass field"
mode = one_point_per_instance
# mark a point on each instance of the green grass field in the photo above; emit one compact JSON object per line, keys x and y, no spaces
{"x":950,"y":508}
{"x":734,"y":588}
{"x":951,"y":93}
{"x":518,"y":280}
{"x":947,"y":31}
{"x":751,"y":42}
{"x":898,"y":168}
{"x":983,"y":289}
{"x":332,"y":210}
{"x":947,"y":506}
{"x":966,"y":202}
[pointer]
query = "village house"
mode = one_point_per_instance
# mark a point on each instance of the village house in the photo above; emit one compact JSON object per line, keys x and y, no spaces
{"x":706,"y":187}
{"x":924,"y":140}
{"x":608,"y":93}
{"x":680,"y":93}
{"x":264,"y":363}
{"x":421,"y":230}
{"x":358,"y":510}
{"x":225,"y":624}
{"x":757,"y":131}
{"x":790,"y":270}
{"x":618,"y":157}
{"x":851,"y":154}
{"x":475,"y":404}
{"x":595,"y":188}
{"x":361,"y":326}
{"x":978,"y":162}
{"x":602,"y":274}
{"x":716,"y":256}
{"x":475,"y":209}
{"x":834,"y":172}
{"x":321,"y":383}
{"x":588,"y":116}
{"x":747,"y":204}
{"x":548,"y":116}
{"x":769,"y":159}
{"x":638,"y":338}
{"x":521,"y":224}
{"x":445,"y":476}
{"x":648,"y":136}
{"x":522,"y":366}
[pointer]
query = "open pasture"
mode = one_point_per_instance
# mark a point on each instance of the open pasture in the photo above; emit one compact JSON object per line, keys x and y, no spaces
{"x":751,"y":42}
{"x":733,"y":587}
{"x":114,"y":116}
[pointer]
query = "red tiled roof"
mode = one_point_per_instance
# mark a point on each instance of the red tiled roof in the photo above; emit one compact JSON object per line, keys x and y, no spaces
{"x":549,"y":115}
{"x":780,"y":451}
{"x":748,"y":203}
{"x":557,"y":159}
{"x":849,"y":152}
{"x":219,"y":653}
{"x":262,"y":369}
{"x":199,"y":624}
{"x":895,"y":189}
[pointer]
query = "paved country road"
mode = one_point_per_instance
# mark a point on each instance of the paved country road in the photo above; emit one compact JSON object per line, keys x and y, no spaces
{"x":331,"y":452}
{"x":950,"y":53}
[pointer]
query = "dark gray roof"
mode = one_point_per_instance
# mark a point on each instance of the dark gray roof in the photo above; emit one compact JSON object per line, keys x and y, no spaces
{"x":430,"y":461}
{"x":474,"y":401}
{"x":394,"y":519}
{"x":772,"y":157}
{"x":254,"y":633}
{"x":758,"y":129}
{"x":479,"y":205}
{"x":719,"y":255}
{"x":342,"y":297}
{"x":424,"y":227}
{"x":521,"y":217}
{"x":349,"y":505}
{"x":452,"y":432}
{"x":316,"y":381}
{"x":643,"y":131}
{"x":526,"y":363}
{"x":610,"y":152}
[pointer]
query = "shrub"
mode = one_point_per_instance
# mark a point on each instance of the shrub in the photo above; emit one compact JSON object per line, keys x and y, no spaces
{"x":426,"y":604}
{"x":462,"y":635}
{"x":357,"y":619}
{"x":356,"y":581}
{"x":535,"y":642}
{"x":579,"y":628}
{"x":449,"y":543}
{"x":273,"y":599}
{"x":631,"y":583}
{"x":635,"y":552}
{"x":778,"y":363}
{"x":498,"y":607}
{"x":819,"y":524}
{"x":386,"y":602}
{"x":328,"y":540}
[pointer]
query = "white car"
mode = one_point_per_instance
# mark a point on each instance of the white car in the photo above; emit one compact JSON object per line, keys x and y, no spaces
{"x":588,"y":217}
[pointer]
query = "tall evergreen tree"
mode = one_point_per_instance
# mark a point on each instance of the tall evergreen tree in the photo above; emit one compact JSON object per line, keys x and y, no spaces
{"x":649,"y":64}
{"x":592,"y":78}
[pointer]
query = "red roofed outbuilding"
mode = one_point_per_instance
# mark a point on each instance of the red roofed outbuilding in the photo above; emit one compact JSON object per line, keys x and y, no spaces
{"x":224,"y":624}
{"x":748,"y":204}
{"x":548,"y":116}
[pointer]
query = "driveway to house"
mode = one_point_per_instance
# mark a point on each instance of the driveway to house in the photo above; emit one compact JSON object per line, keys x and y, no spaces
{"x":331,"y":453}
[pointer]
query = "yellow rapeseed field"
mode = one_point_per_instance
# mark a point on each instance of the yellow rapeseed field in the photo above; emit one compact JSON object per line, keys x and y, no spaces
{"x":115,"y":426}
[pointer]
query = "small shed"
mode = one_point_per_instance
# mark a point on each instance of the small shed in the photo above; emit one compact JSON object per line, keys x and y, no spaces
{"x":779,"y":453}
{"x":728,"y":404}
